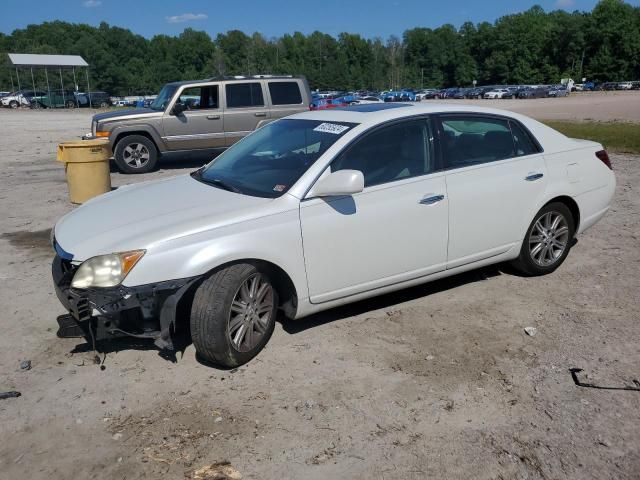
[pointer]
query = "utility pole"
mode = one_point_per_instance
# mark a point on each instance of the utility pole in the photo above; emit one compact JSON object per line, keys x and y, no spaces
{"x":422,"y":78}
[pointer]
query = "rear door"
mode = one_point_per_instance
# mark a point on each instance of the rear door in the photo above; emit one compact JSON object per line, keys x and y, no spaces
{"x":285,"y":97}
{"x":200,"y":125}
{"x":245,"y":109}
{"x":496,"y":174}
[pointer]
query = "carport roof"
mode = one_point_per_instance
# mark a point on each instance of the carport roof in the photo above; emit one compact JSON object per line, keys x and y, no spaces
{"x":37,"y":60}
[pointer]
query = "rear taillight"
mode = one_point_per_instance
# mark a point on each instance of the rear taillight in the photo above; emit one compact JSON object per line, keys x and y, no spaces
{"x":604,"y":158}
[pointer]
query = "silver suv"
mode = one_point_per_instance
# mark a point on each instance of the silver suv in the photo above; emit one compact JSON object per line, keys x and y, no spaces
{"x":200,"y":115}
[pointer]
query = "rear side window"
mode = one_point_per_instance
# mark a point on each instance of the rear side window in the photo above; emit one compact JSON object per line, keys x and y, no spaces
{"x":285,"y":93}
{"x":474,"y":140}
{"x":523,"y":142}
{"x":244,"y":95}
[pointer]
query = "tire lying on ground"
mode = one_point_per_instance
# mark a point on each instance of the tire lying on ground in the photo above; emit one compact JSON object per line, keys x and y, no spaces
{"x":135,"y":154}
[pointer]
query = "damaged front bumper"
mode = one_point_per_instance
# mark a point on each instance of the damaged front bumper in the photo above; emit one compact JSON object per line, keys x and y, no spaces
{"x":145,"y":311}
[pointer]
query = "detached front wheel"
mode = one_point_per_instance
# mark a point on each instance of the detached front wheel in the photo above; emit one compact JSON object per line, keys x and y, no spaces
{"x":233,"y":315}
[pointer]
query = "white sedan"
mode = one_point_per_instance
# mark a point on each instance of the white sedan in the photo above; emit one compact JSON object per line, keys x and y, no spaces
{"x":496,"y":93}
{"x":321,"y":209}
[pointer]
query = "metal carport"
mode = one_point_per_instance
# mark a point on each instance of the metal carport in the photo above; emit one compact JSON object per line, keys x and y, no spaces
{"x":32,"y":60}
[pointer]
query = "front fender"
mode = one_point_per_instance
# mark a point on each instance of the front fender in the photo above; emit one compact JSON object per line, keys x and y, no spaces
{"x":135,"y":129}
{"x":273,"y":238}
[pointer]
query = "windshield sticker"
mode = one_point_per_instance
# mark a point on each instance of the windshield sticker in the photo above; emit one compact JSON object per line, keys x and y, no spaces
{"x":279,"y":188}
{"x":331,"y":128}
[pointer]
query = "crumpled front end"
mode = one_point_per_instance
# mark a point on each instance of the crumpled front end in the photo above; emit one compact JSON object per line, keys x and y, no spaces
{"x":146,"y":311}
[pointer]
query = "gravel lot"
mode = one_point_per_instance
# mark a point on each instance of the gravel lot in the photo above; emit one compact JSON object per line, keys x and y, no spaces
{"x":438,"y":381}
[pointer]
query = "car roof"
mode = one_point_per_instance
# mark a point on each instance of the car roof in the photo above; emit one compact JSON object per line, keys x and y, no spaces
{"x":372,"y":114}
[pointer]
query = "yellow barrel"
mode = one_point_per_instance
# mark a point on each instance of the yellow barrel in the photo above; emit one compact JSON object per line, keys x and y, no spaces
{"x":86,"y":164}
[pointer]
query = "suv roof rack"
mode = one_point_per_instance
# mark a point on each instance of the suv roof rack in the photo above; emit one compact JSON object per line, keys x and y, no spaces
{"x":245,"y":77}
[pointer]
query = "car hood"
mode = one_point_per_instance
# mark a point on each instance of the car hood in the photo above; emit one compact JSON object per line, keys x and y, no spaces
{"x":131,"y":113}
{"x":145,"y":215}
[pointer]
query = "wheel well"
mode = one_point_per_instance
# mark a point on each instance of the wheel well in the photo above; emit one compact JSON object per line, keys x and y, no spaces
{"x":287,"y":295}
{"x":571,"y":205}
{"x":142,"y":133}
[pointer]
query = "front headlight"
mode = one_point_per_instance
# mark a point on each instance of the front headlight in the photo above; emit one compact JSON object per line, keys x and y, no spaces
{"x":106,"y":270}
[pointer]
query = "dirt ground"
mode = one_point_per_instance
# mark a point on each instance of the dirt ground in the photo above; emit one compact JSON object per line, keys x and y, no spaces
{"x":438,"y":381}
{"x":582,"y":106}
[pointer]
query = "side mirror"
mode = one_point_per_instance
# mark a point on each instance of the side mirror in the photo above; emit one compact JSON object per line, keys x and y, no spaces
{"x":178,"y":108}
{"x":342,"y":182}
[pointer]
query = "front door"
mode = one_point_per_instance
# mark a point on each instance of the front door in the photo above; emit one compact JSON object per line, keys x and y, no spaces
{"x":393,"y":231}
{"x":200,"y":125}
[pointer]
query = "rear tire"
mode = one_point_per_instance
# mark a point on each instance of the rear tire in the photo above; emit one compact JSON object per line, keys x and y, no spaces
{"x":70,"y":104}
{"x":135,"y":154}
{"x":547,"y":241}
{"x":233,"y":315}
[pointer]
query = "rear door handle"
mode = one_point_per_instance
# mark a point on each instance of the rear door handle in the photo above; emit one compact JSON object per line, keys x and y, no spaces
{"x":431,"y":199}
{"x":260,"y":114}
{"x":532,"y":177}
{"x":213,"y":117}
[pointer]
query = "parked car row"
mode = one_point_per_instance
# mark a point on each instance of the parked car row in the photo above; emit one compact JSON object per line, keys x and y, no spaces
{"x":56,"y":98}
{"x":335,"y":99}
{"x":501,"y":92}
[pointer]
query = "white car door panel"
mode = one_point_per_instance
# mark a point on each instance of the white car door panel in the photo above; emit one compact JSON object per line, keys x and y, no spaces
{"x":386,"y":234}
{"x":392,"y":231}
{"x":490,"y":207}
{"x":495,"y":178}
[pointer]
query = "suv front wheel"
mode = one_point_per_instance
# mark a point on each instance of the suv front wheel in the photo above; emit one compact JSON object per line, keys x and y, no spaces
{"x":135,"y":154}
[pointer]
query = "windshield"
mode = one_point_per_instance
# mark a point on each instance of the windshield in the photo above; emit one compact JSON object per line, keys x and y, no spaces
{"x":163,"y":98}
{"x":269,"y":161}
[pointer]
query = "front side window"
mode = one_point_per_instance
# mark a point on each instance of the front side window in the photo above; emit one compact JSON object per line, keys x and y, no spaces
{"x":396,"y":152}
{"x":285,"y":93}
{"x":199,"y":98}
{"x":471,"y":140}
{"x":244,"y":95}
{"x":270,"y":160}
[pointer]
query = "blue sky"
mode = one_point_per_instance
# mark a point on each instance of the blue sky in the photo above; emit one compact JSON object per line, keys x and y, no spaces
{"x":370,"y":18}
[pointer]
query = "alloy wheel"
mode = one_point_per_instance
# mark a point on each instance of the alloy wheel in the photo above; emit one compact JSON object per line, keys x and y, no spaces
{"x":250,"y":312}
{"x":548,"y":239}
{"x":136,"y":155}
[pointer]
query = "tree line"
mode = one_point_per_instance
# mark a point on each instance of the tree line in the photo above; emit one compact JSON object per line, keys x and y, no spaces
{"x":529,"y":47}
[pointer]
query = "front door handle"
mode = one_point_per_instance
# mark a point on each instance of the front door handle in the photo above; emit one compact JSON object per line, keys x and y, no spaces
{"x":213,"y":117}
{"x":260,"y":114}
{"x":431,"y":199}
{"x":532,"y":177}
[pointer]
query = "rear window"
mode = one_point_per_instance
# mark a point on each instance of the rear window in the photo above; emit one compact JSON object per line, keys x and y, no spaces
{"x":285,"y":93}
{"x":244,"y":95}
{"x":523,"y":142}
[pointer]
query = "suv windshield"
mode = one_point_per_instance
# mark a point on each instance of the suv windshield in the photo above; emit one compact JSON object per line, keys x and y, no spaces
{"x":270,"y":160}
{"x":163,"y":98}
